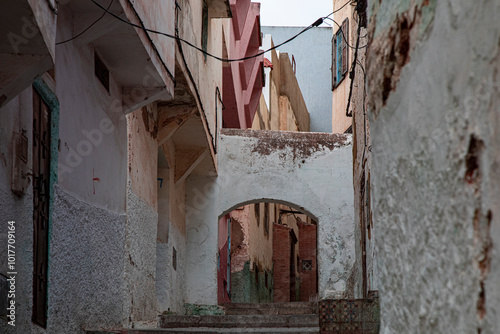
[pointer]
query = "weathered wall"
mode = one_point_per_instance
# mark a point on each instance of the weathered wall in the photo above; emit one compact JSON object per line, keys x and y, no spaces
{"x":288,"y":121}
{"x":291,"y":168}
{"x":308,"y":276}
{"x":251,"y":251}
{"x":289,"y":87}
{"x":170,"y":282}
{"x":262,"y":118}
{"x":87,"y":216}
{"x":87,"y":295}
{"x":92,"y":128}
{"x":139,"y":256}
{"x":281,"y":258}
{"x":202,"y":239}
{"x":250,"y":287}
{"x":260,"y":239}
{"x":171,"y":234}
{"x":311,"y":52}
{"x":365,"y":231}
{"x":434,"y":95}
{"x":340,"y":122}
{"x":225,"y":243}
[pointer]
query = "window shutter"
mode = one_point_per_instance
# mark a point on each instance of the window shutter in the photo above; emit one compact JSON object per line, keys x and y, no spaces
{"x":334,"y":61}
{"x":345,"y":48}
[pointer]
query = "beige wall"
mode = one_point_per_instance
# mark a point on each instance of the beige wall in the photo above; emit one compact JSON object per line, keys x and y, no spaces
{"x":287,"y":110}
{"x":340,"y":123}
{"x":257,"y":245}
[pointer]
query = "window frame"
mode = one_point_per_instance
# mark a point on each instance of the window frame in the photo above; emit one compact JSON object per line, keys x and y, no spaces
{"x":340,"y":54}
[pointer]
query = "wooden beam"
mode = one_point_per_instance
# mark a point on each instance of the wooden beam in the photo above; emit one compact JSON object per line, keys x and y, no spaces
{"x":170,"y":122}
{"x":186,"y":161}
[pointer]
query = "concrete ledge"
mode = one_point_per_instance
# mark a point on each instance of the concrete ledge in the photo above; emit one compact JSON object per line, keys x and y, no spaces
{"x":272,"y":308}
{"x":207,"y":330}
{"x":240,"y":321}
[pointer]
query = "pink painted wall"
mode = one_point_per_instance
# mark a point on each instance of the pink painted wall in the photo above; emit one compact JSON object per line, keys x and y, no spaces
{"x":243,"y":80}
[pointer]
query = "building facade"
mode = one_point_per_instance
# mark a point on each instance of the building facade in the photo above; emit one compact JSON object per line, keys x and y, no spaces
{"x":310,"y":55}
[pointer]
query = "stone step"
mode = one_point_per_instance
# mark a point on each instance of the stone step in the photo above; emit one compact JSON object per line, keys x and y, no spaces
{"x":240,"y":321}
{"x":272,"y":308}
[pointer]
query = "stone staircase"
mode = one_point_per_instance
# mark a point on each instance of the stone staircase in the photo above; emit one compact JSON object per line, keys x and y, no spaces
{"x":271,"y":318}
{"x":249,"y":318}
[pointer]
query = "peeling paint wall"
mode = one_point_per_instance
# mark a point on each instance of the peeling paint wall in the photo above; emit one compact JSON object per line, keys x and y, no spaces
{"x":88,"y":213}
{"x":291,"y":168}
{"x":434,"y":94}
{"x":141,"y":306}
{"x":285,"y":167}
{"x":170,"y":278}
{"x":251,"y":252}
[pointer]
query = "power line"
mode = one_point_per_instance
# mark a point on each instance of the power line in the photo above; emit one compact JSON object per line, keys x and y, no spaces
{"x":352,"y":73}
{"x":106,"y":10}
{"x":90,"y":26}
{"x":338,"y":9}
{"x":344,"y":36}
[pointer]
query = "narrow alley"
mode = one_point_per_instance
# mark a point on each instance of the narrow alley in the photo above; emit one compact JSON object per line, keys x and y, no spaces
{"x":236,"y":166}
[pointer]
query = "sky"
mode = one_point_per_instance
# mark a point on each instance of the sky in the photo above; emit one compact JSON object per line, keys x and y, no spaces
{"x":299,"y":13}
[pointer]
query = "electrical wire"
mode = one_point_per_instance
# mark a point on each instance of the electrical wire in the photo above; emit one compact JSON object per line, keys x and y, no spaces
{"x":338,"y":9}
{"x":106,"y":10}
{"x":53,"y":8}
{"x":90,"y":26}
{"x":344,"y":36}
{"x":352,"y":73}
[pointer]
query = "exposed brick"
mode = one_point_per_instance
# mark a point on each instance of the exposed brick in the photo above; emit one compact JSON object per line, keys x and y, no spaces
{"x":307,"y":251}
{"x":281,"y":262}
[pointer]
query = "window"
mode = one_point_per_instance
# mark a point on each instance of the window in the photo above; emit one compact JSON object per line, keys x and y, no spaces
{"x":101,"y":71}
{"x":340,"y":54}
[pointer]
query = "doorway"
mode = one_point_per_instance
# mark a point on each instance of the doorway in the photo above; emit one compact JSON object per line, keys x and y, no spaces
{"x":267,"y":253}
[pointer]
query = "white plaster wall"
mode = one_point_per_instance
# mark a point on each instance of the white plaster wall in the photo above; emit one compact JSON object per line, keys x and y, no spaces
{"x":438,"y":232}
{"x":92,"y":127}
{"x":320,"y":183}
{"x":140,"y":302}
{"x":202,"y":239}
{"x":170,"y":283}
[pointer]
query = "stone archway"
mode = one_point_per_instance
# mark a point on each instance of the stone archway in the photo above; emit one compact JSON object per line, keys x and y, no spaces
{"x":311,"y":171}
{"x":267,"y":253}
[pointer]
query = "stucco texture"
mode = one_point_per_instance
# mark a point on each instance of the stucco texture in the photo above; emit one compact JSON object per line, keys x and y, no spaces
{"x":141,"y":306}
{"x":291,"y":168}
{"x":436,"y":187}
{"x":88,"y":294}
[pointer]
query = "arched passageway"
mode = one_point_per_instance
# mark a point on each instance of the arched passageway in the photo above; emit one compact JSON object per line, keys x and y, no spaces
{"x":267,"y":252}
{"x":309,"y":171}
